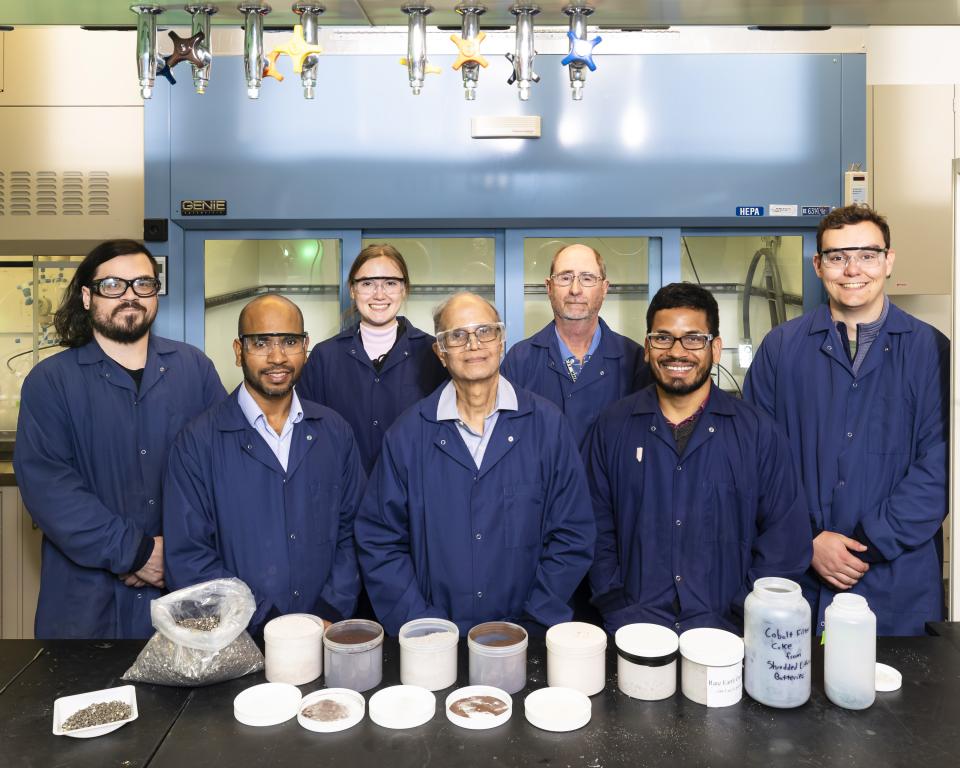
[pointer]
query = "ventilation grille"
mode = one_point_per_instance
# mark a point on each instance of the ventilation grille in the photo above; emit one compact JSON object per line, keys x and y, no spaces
{"x":48,"y":193}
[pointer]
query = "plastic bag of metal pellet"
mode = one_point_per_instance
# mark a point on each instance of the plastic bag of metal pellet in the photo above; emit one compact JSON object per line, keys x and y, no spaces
{"x":201,"y":636}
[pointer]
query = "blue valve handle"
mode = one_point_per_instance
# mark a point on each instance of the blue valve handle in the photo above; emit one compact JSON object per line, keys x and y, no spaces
{"x":581,"y":51}
{"x":165,"y":70}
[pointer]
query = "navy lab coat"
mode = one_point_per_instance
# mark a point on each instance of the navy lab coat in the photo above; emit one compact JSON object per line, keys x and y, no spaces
{"x":616,"y":369}
{"x":231,"y":510}
{"x":340,"y":375}
{"x":872,"y":451}
{"x":90,"y":456}
{"x":510,"y":541}
{"x":696,"y":530}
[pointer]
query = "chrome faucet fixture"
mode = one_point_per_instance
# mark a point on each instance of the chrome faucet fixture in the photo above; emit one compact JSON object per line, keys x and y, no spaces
{"x":253,"y":60}
{"x":200,"y":29}
{"x":148,"y":63}
{"x":416,"y":59}
{"x":469,"y":61}
{"x":309,"y":14}
{"x":524,"y":53}
{"x":580,"y":58}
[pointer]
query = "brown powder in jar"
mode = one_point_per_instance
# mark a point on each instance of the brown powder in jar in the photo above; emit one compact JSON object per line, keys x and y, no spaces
{"x":353,"y":635}
{"x":478,"y":705}
{"x":327,"y":711}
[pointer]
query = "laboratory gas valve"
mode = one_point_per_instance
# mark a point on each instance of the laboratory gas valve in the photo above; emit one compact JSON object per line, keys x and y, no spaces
{"x":524,"y":53}
{"x":254,"y":62}
{"x":309,"y":14}
{"x":468,"y":43}
{"x":416,"y":59}
{"x":149,"y":64}
{"x":201,"y":46}
{"x":580,"y":58}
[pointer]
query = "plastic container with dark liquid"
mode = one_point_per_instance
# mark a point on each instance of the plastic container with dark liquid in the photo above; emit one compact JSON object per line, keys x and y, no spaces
{"x":353,"y":655}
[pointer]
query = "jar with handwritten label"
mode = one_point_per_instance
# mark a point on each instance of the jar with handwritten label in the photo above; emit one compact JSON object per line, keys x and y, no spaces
{"x":776,"y":638}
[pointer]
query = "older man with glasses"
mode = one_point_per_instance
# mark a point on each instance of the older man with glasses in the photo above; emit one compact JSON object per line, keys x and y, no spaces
{"x":477,"y":508}
{"x":577,"y":361}
{"x":265,"y":486}
{"x":694,"y":491}
{"x":96,"y":422}
{"x":862,"y":390}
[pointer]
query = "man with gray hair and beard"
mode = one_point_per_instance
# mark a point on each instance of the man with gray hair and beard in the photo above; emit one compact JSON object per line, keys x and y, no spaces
{"x":96,"y":422}
{"x":477,"y":508}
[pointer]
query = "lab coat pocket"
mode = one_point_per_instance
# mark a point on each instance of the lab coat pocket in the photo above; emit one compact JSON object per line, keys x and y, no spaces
{"x":523,"y":509}
{"x":886,"y":433}
{"x":324,"y":512}
{"x":728,"y":513}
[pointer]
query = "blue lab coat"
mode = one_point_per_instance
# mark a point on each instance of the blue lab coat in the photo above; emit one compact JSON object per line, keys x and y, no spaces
{"x":872,"y":451}
{"x":231,"y":510}
{"x":90,"y":456}
{"x":340,"y":375}
{"x":438,"y":537}
{"x":696,"y":528}
{"x":616,"y":369}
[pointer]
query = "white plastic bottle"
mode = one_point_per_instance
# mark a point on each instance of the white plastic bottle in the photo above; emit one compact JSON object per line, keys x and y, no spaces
{"x":776,"y":638}
{"x":850,"y":652}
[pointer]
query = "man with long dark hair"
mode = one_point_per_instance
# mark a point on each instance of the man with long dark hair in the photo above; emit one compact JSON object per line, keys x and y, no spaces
{"x":95,"y":425}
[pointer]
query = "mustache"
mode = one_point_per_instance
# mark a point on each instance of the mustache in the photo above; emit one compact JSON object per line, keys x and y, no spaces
{"x":128,"y":305}
{"x":277,"y":369}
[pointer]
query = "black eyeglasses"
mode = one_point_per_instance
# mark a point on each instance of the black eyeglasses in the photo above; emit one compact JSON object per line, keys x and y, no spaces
{"x":690,"y":341}
{"x":115,"y":287}
{"x":262,"y":344}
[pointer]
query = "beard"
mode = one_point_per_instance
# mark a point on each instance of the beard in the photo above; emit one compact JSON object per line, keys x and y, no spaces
{"x":677,"y":386}
{"x":256,"y":380}
{"x":126,"y":329}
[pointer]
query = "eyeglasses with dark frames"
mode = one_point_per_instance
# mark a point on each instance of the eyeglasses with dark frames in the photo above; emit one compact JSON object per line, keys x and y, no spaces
{"x":115,"y":287}
{"x":691,"y":341}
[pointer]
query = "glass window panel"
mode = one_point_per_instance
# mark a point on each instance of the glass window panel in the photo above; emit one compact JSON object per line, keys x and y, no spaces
{"x":722,"y":265}
{"x":307,"y":271}
{"x":31,"y":289}
{"x":626,"y":260}
{"x":440,"y":266}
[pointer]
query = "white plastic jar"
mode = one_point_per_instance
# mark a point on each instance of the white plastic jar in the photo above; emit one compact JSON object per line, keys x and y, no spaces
{"x":576,"y":657}
{"x":647,"y":661}
{"x":776,"y":638}
{"x":498,"y":655}
{"x":293,"y":648}
{"x":711,"y":672}
{"x":850,"y":652}
{"x":428,"y":653}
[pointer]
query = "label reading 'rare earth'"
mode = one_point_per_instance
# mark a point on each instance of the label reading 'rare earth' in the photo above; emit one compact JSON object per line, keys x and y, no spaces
{"x":724,"y":685}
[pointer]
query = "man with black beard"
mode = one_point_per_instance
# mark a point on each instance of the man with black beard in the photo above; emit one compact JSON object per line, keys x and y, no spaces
{"x":694,"y":491}
{"x":96,"y":422}
{"x":265,"y":486}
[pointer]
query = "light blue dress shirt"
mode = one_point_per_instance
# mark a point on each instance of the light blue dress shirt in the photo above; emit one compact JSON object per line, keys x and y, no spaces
{"x":476,"y":444}
{"x":279,"y":444}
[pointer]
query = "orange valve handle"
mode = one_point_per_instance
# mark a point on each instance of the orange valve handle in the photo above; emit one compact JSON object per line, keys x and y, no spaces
{"x":297,"y":48}
{"x":469,"y":49}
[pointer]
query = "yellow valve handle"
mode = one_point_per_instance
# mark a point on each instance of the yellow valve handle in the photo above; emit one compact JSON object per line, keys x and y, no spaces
{"x":429,"y":69}
{"x":469,"y":50}
{"x":297,"y":48}
{"x":270,"y":69}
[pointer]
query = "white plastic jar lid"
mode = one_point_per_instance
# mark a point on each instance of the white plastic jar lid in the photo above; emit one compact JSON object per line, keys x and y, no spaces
{"x":267,"y":704}
{"x":711,"y":647}
{"x":649,"y":641}
{"x":402,"y":706}
{"x":294,"y":626}
{"x":576,"y":638}
{"x":557,"y":709}
{"x":345,"y":708}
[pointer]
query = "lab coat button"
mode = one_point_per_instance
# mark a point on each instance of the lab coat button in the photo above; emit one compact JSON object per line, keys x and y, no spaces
{"x":677,"y":626}
{"x":143,"y":451}
{"x":849,"y":434}
{"x":510,"y":439}
{"x":443,"y":442}
{"x":841,"y":484}
{"x":602,"y":372}
{"x":309,"y":437}
{"x":479,"y":594}
{"x":855,"y":385}
{"x":711,"y":430}
{"x":679,"y":467}
{"x":353,"y":351}
{"x":679,"y":522}
{"x":296,"y":593}
{"x":151,"y":502}
{"x":293,"y":537}
{"x":139,"y":595}
{"x":376,"y":381}
{"x":478,"y":536}
{"x":653,"y":428}
{"x":162,"y":369}
{"x":376,"y":423}
{"x":678,"y":578}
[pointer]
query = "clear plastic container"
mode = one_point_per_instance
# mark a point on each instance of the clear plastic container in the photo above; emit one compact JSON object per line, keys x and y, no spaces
{"x":577,"y":657}
{"x":428,"y":653}
{"x":353,"y":655}
{"x":498,"y":655}
{"x":850,"y":652}
{"x":776,"y":638}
